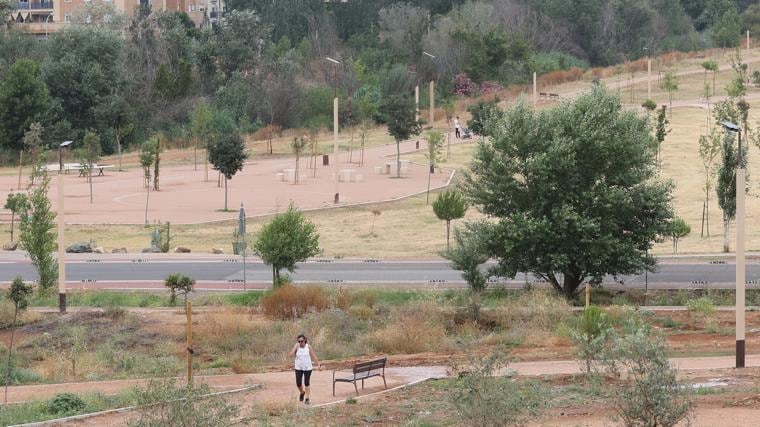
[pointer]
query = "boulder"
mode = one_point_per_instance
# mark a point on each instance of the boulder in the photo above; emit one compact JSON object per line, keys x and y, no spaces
{"x":79,"y":248}
{"x":181,"y":250}
{"x":10,"y":246}
{"x":119,"y":251}
{"x":217,"y":251}
{"x":99,"y":250}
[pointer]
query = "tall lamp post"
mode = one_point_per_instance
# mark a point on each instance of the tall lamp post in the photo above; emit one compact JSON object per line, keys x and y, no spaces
{"x":50,"y":15}
{"x":243,"y":243}
{"x":336,"y":63}
{"x":432,"y":91}
{"x":740,"y":284}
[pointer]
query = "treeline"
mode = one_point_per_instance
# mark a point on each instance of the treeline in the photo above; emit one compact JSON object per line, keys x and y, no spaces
{"x":265,"y":67}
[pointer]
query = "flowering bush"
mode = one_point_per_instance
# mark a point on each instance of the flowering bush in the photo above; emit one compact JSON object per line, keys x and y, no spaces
{"x":464,"y":86}
{"x":490,"y":87}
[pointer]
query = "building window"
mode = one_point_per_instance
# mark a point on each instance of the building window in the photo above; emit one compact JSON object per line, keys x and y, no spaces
{"x":191,"y":7}
{"x":67,"y":19}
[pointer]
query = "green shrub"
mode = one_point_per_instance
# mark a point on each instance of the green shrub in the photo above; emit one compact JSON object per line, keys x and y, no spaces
{"x":701,"y":306}
{"x":66,"y":404}
{"x":652,"y":394}
{"x":164,"y":403}
{"x":248,"y":299}
{"x":484,"y":399}
{"x":19,"y":375}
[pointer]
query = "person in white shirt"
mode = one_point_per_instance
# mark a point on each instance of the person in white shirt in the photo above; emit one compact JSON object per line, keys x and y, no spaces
{"x":457,"y":128}
{"x":304,"y":355}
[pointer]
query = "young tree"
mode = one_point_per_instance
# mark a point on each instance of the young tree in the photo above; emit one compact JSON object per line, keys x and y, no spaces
{"x":567,"y":184}
{"x":399,"y":114}
{"x":228,"y":156}
{"x":678,"y":228}
{"x":435,"y":144}
{"x":36,"y":232}
{"x":33,"y":143}
{"x":661,"y":130}
{"x":299,"y":145}
{"x":287,"y":239}
{"x":200,"y":123}
{"x":90,"y":154}
{"x":18,"y":294}
{"x":711,"y":65}
{"x":367,"y":105}
{"x":670,"y":83}
{"x":178,"y":284}
{"x":156,"y":161}
{"x":468,"y":255}
{"x":16,"y":203}
{"x":709,"y":148}
{"x":591,"y":335}
{"x":147,"y":154}
{"x":481,"y":113}
{"x":450,"y":205}
{"x":726,"y":188}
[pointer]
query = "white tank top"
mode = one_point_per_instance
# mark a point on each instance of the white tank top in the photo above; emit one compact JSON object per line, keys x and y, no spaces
{"x":303,"y":358}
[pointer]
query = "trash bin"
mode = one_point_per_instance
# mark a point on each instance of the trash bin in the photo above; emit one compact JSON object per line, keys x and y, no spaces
{"x":417,"y":145}
{"x":325,"y":160}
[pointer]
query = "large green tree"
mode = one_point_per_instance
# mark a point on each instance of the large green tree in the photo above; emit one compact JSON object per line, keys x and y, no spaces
{"x":37,"y":235}
{"x":573,"y":190}
{"x":24,"y":99}
{"x":287,"y":239}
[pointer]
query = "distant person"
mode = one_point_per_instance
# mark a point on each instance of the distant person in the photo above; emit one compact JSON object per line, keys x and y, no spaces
{"x":457,"y":128}
{"x":304,"y":355}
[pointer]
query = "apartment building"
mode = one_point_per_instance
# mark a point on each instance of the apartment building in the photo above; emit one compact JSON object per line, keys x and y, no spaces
{"x":42,"y":17}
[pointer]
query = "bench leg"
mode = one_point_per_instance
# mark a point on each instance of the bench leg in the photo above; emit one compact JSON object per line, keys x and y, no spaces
{"x":356,"y":388}
{"x":384,"y":383}
{"x":362,"y":384}
{"x":333,"y":388}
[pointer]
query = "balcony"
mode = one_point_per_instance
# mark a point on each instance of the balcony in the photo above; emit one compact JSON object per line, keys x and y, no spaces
{"x":215,"y":15}
{"x":23,"y":5}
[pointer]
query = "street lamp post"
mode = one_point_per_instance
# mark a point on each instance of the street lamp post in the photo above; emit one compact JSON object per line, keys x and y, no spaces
{"x":50,"y":15}
{"x":432,"y":91}
{"x":336,"y":63}
{"x":740,"y":271}
{"x":244,"y":243}
{"x":649,"y":74}
{"x":61,"y":248}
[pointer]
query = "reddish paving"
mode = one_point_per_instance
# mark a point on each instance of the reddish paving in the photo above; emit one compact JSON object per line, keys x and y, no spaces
{"x":184,"y":196}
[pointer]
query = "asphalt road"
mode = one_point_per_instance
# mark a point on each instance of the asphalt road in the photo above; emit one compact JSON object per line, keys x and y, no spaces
{"x":227,"y":273}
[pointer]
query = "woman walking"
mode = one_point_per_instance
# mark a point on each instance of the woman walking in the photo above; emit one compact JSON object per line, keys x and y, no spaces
{"x":457,"y":128}
{"x":304,"y":355}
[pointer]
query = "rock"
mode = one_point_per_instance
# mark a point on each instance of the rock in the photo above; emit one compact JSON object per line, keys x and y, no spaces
{"x":217,"y":251}
{"x":148,"y":250}
{"x":99,"y":250}
{"x":10,"y":246}
{"x":181,"y":250}
{"x":119,"y":251}
{"x":79,"y":248}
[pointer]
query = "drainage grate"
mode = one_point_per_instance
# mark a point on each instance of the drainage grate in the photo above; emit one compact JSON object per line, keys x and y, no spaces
{"x":717,"y":262}
{"x":700,"y":282}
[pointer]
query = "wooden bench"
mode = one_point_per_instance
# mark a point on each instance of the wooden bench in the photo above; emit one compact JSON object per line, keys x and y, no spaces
{"x":361,"y":371}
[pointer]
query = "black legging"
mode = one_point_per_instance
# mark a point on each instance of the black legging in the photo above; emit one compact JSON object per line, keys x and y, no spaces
{"x":456,"y":133}
{"x":306,"y":375}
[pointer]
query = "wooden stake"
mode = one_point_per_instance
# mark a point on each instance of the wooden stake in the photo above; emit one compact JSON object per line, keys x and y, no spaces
{"x":588,"y":294}
{"x":189,"y":313}
{"x":20,"y":167}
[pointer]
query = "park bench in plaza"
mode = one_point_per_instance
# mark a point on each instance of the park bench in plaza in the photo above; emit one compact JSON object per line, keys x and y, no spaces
{"x":362,"y":371}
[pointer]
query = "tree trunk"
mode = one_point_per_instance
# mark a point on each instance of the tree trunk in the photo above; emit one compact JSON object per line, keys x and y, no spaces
{"x":13,"y":218}
{"x":118,"y":147}
{"x":195,"y":155}
{"x":156,"y":164}
{"x":20,"y":167}
{"x":570,"y":285}
{"x":707,"y":214}
{"x":702,"y":230}
{"x":295,"y":179}
{"x":398,"y":159}
{"x":448,"y":229}
{"x":147,"y":198}
{"x":89,"y":177}
{"x":725,"y":233}
{"x":225,"y":193}
{"x":713,"y":88}
{"x":274,"y":277}
{"x":205,"y":165}
{"x":430,"y":174}
{"x":10,"y":352}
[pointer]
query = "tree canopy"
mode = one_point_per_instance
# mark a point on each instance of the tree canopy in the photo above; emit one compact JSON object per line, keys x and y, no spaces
{"x":573,"y":190}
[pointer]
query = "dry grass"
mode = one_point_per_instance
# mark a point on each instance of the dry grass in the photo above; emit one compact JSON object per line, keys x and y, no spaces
{"x":413,"y":328}
{"x":289,"y":302}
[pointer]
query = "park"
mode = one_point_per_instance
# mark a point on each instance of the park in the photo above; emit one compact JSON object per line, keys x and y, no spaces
{"x":446,"y":213}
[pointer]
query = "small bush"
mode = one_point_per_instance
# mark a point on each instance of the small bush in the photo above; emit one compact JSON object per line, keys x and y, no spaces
{"x":591,"y":336}
{"x":343,"y":299}
{"x":19,"y":375}
{"x":652,"y":395}
{"x":164,"y":403}
{"x":289,"y":302}
{"x":702,"y":309}
{"x":66,"y":404}
{"x":248,"y":299}
{"x":484,"y":399}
